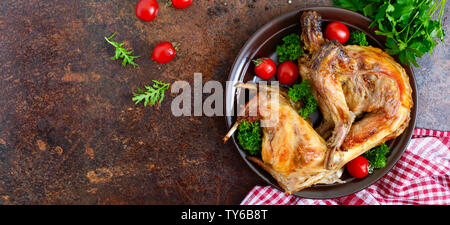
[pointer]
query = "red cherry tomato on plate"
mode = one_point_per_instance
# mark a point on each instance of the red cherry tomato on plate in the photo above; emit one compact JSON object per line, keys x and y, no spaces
{"x":287,"y":72}
{"x":358,"y":167}
{"x":338,"y":31}
{"x":147,"y":10}
{"x":181,"y":4}
{"x":265,"y":68}
{"x":163,"y":52}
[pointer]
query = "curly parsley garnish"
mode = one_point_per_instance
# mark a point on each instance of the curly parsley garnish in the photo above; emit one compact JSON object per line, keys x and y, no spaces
{"x":377,"y":156}
{"x":151,"y":94}
{"x":250,"y":137}
{"x":121,"y":52}
{"x":290,"y":49}
{"x":358,"y":38}
{"x":302,"y":92}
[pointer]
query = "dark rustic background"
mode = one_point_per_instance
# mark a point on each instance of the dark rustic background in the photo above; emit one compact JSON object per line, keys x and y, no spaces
{"x":70,"y":134}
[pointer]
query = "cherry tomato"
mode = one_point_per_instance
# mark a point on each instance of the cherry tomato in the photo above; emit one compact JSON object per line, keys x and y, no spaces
{"x":338,"y":31}
{"x":287,"y":72}
{"x":163,"y":52}
{"x":181,"y":4}
{"x":265,"y":68}
{"x":358,"y":167}
{"x":147,"y":10}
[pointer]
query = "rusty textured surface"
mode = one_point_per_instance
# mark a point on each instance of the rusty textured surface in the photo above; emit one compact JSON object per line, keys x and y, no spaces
{"x":70,"y":134}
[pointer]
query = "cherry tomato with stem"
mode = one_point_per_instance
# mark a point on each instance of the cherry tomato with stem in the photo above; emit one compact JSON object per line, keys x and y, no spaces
{"x":164,"y":52}
{"x":287,"y":72}
{"x":358,"y":167}
{"x":180,"y":4}
{"x":338,"y":31}
{"x":265,"y":68}
{"x":147,"y":10}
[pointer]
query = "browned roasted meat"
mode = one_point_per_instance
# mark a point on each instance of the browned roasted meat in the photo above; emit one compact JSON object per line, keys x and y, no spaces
{"x":292,"y":152}
{"x":311,"y":31}
{"x":355,"y":81}
{"x":348,"y":82}
{"x":322,"y":69}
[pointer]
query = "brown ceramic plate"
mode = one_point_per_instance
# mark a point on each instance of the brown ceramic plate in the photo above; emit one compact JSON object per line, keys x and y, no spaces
{"x":263,"y":43}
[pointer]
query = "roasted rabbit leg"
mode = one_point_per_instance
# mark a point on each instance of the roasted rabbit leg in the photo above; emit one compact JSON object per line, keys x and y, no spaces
{"x":378,"y":87}
{"x":321,"y":71}
{"x":313,"y":40}
{"x":329,"y":61}
{"x":337,"y":118}
{"x":312,"y":36}
{"x":355,"y":81}
{"x":292,"y":152}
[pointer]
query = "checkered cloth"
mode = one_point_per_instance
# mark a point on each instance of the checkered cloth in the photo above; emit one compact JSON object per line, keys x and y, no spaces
{"x":421,"y":176}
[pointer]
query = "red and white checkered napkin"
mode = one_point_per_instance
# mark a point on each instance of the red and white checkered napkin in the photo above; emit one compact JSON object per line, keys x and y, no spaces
{"x":421,"y":176}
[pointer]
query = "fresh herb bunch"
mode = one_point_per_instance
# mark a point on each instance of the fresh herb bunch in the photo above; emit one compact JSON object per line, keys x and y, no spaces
{"x":250,"y":137}
{"x":407,"y":24}
{"x":122,"y":52}
{"x":290,"y":49}
{"x":358,"y":38}
{"x":377,"y":156}
{"x":303,"y":93}
{"x":151,"y":94}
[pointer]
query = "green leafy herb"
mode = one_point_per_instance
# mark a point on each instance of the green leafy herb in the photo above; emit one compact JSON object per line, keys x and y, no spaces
{"x":250,"y":137}
{"x":357,"y":38}
{"x":377,"y":156}
{"x":290,"y":49}
{"x":407,"y":24}
{"x":151,"y":94}
{"x":303,"y":93}
{"x":121,"y":52}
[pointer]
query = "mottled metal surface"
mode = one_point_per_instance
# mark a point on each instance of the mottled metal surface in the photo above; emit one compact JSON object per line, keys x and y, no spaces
{"x":433,"y":83}
{"x":70,"y":134}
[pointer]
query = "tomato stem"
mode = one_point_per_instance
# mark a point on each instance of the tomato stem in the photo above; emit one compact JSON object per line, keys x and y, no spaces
{"x":175,"y":45}
{"x":258,"y":61}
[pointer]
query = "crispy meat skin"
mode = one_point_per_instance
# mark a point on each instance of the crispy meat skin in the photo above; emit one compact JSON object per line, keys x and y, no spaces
{"x":311,"y":31}
{"x":292,"y":152}
{"x":356,"y":81}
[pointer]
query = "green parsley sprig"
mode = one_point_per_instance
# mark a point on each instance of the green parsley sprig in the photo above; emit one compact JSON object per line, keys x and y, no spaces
{"x":152,"y":94}
{"x":121,"y":52}
{"x":250,"y":137}
{"x":407,"y":24}
{"x":302,"y":92}
{"x":358,"y":38}
{"x":290,"y":49}
{"x":377,"y":156}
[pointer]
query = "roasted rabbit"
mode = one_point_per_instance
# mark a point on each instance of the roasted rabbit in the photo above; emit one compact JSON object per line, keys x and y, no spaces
{"x":364,"y":97}
{"x":354,"y":82}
